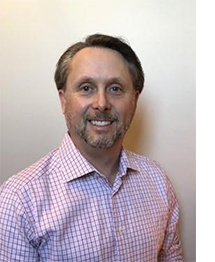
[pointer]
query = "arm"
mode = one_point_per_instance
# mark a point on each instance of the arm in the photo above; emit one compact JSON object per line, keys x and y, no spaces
{"x":16,"y":233}
{"x":171,"y":249}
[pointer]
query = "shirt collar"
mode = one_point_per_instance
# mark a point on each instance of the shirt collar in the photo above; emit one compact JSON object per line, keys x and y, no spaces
{"x":127,"y":161}
{"x":75,"y":165}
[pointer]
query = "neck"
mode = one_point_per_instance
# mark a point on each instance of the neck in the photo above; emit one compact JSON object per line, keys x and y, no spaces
{"x":105,"y":160}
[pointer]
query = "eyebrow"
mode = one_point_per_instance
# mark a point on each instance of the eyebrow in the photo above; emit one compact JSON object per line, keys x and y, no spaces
{"x":85,"y":79}
{"x":111,"y":80}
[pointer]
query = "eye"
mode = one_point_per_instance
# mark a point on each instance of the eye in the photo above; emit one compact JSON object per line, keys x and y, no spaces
{"x":116,"y":90}
{"x":86,"y":89}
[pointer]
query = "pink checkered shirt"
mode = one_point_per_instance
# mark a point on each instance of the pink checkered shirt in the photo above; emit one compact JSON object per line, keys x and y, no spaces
{"x":63,"y":209}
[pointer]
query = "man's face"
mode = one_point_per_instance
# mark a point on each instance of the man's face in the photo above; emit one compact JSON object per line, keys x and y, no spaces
{"x":99,"y":101}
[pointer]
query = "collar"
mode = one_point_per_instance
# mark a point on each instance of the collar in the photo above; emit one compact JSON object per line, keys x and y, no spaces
{"x":128,"y":162}
{"x":75,"y":165}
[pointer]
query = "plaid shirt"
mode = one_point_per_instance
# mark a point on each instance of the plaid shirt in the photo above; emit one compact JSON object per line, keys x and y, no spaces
{"x":63,"y":209}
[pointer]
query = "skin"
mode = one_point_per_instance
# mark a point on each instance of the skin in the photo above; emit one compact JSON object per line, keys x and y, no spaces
{"x":99,"y":104}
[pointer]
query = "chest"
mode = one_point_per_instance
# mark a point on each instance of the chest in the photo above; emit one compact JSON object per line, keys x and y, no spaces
{"x":88,"y":222}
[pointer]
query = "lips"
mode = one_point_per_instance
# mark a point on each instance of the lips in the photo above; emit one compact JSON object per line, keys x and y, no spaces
{"x":100,"y":122}
{"x":101,"y":119}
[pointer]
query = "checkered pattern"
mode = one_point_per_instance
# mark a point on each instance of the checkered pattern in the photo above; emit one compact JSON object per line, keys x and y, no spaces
{"x":63,"y":209}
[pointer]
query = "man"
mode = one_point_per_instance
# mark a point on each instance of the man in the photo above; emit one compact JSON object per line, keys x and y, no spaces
{"x":90,"y":199}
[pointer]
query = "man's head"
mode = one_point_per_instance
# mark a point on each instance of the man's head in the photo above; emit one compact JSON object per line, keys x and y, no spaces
{"x":105,"y":41}
{"x":98,"y":90}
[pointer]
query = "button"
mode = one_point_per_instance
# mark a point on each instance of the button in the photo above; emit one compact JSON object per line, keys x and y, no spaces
{"x":121,"y":230}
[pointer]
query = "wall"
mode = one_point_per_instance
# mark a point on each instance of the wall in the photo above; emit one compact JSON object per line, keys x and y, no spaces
{"x":33,"y":36}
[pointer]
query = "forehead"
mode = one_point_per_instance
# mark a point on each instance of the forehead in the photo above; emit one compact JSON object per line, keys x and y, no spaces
{"x":99,"y":59}
{"x":93,"y":52}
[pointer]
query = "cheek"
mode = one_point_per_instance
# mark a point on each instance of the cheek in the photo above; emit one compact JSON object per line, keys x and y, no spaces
{"x":126,"y":109}
{"x":76,"y":107}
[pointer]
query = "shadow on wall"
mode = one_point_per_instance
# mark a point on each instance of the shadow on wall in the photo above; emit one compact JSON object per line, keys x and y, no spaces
{"x":138,"y":138}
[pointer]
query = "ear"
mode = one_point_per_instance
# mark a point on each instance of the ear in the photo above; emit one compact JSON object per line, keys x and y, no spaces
{"x":135,"y":99}
{"x":62,"y":97}
{"x":137,"y":93}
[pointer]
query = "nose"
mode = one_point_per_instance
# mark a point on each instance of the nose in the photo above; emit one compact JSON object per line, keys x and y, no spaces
{"x":101,"y":101}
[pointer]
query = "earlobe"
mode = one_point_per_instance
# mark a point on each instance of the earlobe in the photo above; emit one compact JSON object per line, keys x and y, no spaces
{"x":137,"y":93}
{"x":62,"y":98}
{"x":136,"y":96}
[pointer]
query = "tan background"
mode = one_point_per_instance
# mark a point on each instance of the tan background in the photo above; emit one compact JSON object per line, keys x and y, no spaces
{"x":34,"y":33}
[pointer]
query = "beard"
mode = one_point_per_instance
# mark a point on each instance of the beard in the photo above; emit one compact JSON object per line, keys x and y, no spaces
{"x":100,"y":139}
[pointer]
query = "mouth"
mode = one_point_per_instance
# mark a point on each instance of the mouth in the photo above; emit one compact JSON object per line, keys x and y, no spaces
{"x":100,"y":123}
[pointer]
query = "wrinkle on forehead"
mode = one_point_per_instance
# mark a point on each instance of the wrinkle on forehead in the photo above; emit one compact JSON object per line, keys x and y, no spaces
{"x":99,"y":64}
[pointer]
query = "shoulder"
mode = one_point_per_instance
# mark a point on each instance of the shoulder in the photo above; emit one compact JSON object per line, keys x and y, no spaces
{"x":40,"y":170}
{"x":151,"y":172}
{"x":143,"y":163}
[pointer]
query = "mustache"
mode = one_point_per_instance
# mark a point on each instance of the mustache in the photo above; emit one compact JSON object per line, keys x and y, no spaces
{"x":101,"y":116}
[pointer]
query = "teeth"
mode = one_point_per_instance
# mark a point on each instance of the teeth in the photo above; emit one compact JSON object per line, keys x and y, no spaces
{"x":100,"y":123}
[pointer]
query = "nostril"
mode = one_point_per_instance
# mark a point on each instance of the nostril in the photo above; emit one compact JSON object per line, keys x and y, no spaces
{"x":101,"y":103}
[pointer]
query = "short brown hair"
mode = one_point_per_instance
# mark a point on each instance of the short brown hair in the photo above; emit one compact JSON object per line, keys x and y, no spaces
{"x":106,"y":41}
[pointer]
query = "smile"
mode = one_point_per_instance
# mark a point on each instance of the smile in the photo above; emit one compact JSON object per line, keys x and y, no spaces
{"x":100,"y":123}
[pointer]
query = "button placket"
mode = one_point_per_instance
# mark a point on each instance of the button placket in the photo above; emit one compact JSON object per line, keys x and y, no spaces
{"x":117,"y":217}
